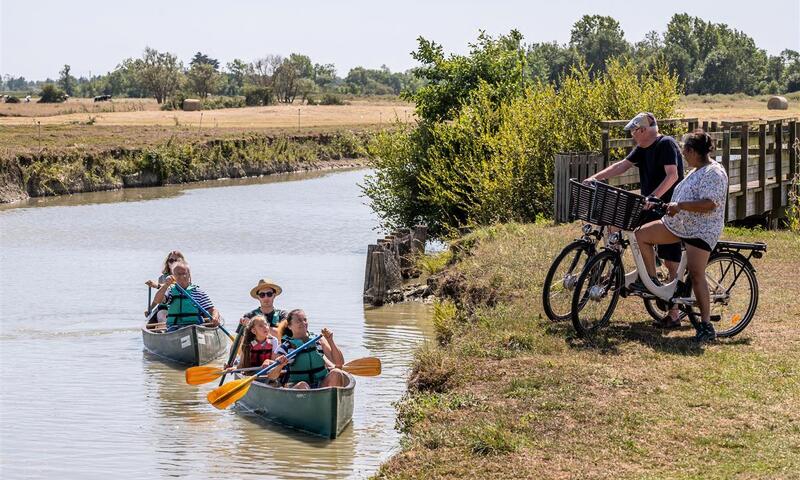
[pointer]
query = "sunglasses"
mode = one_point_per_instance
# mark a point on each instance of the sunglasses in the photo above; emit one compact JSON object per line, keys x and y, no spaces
{"x":266,"y":294}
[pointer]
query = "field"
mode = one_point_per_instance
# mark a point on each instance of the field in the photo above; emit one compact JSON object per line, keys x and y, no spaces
{"x":736,"y":107}
{"x":147,"y":113}
{"x":512,"y":395}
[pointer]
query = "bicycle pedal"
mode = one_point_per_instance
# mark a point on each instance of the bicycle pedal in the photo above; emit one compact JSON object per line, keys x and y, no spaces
{"x":715,"y":318}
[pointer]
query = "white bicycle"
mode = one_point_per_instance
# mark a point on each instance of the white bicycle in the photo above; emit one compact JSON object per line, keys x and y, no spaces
{"x":731,"y":278}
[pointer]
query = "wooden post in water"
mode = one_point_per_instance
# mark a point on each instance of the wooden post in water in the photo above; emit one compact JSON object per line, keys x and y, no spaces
{"x":368,"y":269}
{"x":378,"y":289}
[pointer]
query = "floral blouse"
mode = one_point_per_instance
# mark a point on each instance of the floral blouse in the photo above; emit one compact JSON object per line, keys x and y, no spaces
{"x":708,"y":182}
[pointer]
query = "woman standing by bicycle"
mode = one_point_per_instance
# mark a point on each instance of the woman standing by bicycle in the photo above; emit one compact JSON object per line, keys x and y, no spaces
{"x":695,"y":216}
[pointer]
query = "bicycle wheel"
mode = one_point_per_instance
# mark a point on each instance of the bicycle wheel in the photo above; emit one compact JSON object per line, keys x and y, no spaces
{"x":733,"y":288}
{"x":596,"y":293}
{"x":561,"y":277}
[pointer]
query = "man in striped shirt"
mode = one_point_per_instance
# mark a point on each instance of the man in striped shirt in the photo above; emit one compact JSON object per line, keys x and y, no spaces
{"x":181,"y":274}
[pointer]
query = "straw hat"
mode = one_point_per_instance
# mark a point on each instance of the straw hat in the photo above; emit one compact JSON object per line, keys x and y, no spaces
{"x":262,"y":284}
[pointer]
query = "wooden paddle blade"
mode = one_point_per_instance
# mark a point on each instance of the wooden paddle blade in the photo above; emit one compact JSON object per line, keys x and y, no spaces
{"x":224,"y":396}
{"x":364,"y":367}
{"x":202,"y":374}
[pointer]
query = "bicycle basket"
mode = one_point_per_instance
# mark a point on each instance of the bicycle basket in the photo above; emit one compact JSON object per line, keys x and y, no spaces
{"x":580,"y":201}
{"x":617,"y":207}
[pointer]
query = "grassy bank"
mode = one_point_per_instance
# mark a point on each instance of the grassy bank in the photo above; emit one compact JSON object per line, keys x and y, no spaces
{"x":505,"y":393}
{"x":73,"y":159}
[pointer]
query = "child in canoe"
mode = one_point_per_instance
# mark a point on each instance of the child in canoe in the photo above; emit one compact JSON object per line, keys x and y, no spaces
{"x":258,"y":346}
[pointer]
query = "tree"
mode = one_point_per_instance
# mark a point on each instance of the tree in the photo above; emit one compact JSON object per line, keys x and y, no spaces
{"x":285,"y":79}
{"x":51,"y":94}
{"x":263,"y":70}
{"x":203,"y":59}
{"x":159,"y":73}
{"x":67,"y":81}
{"x":324,"y":75}
{"x":598,"y":38}
{"x":449,"y":81}
{"x":203,"y":79}
{"x":237,"y":73}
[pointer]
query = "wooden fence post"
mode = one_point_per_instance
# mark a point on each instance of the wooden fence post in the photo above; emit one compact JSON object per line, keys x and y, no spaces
{"x":741,"y":201}
{"x":777,"y":193}
{"x":726,"y":157}
{"x":761,"y":195}
{"x":792,"y":151}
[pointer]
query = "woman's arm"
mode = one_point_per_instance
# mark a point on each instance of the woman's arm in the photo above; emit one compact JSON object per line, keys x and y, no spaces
{"x":330,"y":349}
{"x":699,"y":206}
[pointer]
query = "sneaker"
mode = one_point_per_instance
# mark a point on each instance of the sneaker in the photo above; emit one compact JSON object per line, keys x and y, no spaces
{"x":638,"y":285}
{"x":705,"y":333}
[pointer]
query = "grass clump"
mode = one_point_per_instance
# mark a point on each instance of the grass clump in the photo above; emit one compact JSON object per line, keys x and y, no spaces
{"x":493,"y":439}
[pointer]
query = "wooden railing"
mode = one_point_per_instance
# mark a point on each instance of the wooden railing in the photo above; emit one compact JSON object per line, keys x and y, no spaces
{"x":760,"y":188}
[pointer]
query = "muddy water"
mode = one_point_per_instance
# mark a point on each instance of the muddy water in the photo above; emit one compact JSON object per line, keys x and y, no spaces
{"x":80,"y":399}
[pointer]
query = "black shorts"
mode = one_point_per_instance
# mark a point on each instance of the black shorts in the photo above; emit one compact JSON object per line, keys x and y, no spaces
{"x":697,"y":242}
{"x":669,"y":251}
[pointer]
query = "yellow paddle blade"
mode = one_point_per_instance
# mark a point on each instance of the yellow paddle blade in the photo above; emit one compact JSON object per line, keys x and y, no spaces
{"x":202,"y":374}
{"x":364,"y":367}
{"x":224,"y":396}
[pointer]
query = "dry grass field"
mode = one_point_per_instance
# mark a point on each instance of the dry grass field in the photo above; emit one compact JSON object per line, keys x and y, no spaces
{"x":735,"y":107}
{"x":75,"y":106}
{"x":146,"y":113}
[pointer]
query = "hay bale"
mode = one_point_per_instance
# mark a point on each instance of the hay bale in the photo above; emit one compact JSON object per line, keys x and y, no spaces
{"x":777,"y":103}
{"x":191,"y":105}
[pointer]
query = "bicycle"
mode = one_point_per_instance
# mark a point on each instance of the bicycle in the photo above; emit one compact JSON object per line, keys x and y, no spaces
{"x":559,"y":285}
{"x":603,"y":279}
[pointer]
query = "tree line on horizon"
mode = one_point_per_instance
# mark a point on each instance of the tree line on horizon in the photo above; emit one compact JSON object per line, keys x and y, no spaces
{"x":707,"y":58}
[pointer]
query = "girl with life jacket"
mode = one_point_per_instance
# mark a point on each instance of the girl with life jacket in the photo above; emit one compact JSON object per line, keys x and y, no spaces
{"x":259,"y":348}
{"x":314,"y":367}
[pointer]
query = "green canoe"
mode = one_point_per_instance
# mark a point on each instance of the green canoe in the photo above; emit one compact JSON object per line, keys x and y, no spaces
{"x":321,"y":411}
{"x":192,"y":345}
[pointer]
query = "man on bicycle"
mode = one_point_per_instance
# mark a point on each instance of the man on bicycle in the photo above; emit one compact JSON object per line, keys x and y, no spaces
{"x":660,"y":165}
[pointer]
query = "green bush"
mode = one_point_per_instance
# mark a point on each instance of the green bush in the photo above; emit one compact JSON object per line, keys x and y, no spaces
{"x":331,"y":99}
{"x":212,"y":103}
{"x":493,"y":162}
{"x":257,"y":96}
{"x":52,"y":94}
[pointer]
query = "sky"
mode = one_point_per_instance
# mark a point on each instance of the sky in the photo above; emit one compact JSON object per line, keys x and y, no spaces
{"x":38,"y":38}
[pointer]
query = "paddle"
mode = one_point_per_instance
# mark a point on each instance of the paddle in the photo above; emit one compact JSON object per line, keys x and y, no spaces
{"x":222,"y":397}
{"x":363,"y":367}
{"x":232,"y":356}
{"x":199,"y":307}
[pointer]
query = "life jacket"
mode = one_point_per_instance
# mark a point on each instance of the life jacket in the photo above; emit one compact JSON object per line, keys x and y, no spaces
{"x":260,"y":352}
{"x":273,"y":318}
{"x":308,"y":365}
{"x":181,"y":310}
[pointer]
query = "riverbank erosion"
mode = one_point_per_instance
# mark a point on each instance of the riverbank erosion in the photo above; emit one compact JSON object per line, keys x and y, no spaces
{"x":75,"y":159}
{"x":504,"y":392}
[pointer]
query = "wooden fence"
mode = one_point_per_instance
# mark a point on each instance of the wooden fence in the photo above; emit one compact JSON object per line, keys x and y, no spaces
{"x":769,"y":149}
{"x":389,"y":261}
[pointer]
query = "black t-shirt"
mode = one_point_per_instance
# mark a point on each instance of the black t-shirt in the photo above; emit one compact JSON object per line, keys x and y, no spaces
{"x":651,"y":161}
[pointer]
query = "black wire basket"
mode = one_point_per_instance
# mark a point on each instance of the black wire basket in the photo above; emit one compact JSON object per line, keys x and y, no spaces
{"x":581,"y":197}
{"x":617,"y":207}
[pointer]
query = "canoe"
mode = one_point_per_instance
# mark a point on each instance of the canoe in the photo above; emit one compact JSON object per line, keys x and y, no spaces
{"x":321,"y":411}
{"x":191,"y":345}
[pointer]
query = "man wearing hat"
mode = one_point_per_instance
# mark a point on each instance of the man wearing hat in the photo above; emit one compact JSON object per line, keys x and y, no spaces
{"x":265,"y":292}
{"x":658,"y":158}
